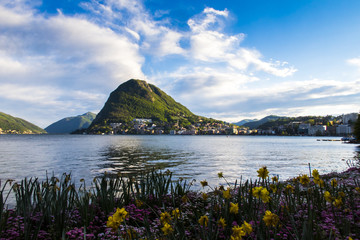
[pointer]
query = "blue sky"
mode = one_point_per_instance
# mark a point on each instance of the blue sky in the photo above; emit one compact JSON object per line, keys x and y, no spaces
{"x":229,"y":59}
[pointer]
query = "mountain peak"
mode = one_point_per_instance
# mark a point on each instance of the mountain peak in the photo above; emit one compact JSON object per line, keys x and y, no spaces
{"x":139,"y":99}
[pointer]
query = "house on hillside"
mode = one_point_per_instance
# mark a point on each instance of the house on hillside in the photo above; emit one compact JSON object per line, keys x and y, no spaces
{"x":349,"y":118}
{"x":317,"y":130}
{"x":304,"y":128}
{"x":343,"y":130}
{"x":142,"y":120}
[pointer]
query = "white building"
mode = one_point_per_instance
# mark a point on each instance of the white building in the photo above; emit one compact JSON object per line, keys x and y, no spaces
{"x":142,"y":120}
{"x":115,"y":125}
{"x":343,"y":130}
{"x":317,"y":129}
{"x":352,"y":117}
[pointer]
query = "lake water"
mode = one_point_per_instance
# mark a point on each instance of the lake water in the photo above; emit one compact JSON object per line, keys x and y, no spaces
{"x":191,"y":157}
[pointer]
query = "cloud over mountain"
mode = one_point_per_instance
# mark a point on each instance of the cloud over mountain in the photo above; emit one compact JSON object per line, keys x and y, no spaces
{"x":56,"y":64}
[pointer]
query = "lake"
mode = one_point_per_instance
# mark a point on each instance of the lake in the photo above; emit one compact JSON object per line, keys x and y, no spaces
{"x":191,"y":157}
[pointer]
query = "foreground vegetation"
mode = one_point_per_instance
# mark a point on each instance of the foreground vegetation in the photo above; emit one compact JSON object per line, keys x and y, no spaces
{"x":155,"y":207}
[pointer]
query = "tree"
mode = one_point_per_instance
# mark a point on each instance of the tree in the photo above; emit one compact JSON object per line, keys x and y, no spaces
{"x":357,"y":129}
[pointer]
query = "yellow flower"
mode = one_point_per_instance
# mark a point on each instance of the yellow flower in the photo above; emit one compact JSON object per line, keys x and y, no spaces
{"x":322,"y":183}
{"x":317,"y":180}
{"x":273,"y":188}
{"x":260,"y":192}
{"x":138,"y":203}
{"x":226,"y":194}
{"x":176,"y":213}
{"x":263,"y":173}
{"x":167,"y":229}
{"x":120,"y":215}
{"x":357,"y":189}
{"x":204,"y":183}
{"x":220,"y":175}
{"x":165,"y":217}
{"x":315,"y":173}
{"x":270,"y":219}
{"x":275,"y":179}
{"x":289,"y":188}
{"x":337,"y":202}
{"x":256,"y":192}
{"x":221,"y":222}
{"x":112,"y":224}
{"x":264,"y":195}
{"x":334,"y":183}
{"x":184,"y":199}
{"x":341,"y":194}
{"x":204,"y":196}
{"x":304,"y":179}
{"x":328,"y":197}
{"x":234,"y":208}
{"x":237,"y":233}
{"x":247,"y":227}
{"x":204,"y":221}
{"x":117,"y":218}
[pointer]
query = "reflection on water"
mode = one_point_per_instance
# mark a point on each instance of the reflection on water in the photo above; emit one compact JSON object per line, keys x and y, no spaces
{"x":132,"y":160}
{"x":198,"y":157}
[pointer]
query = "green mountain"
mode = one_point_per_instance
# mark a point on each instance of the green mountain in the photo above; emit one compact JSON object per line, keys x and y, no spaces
{"x":256,"y":124}
{"x":71,"y":124}
{"x":242,"y":122}
{"x":138,"y":99}
{"x":17,"y":125}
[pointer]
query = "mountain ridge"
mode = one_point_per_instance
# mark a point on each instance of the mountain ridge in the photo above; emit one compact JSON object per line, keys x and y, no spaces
{"x":256,"y":124}
{"x":242,"y":122}
{"x":18,"y":125}
{"x":71,"y":124}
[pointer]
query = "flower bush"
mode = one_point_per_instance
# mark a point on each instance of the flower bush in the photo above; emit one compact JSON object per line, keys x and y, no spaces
{"x":153,"y":206}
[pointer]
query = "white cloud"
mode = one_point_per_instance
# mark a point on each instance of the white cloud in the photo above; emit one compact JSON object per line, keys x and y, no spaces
{"x":60,"y":62}
{"x":225,"y":95}
{"x":71,"y":63}
{"x":224,"y":13}
{"x":209,"y":43}
{"x":43,"y":105}
{"x":10,"y":18}
{"x":170,"y":44}
{"x":74,"y":45}
{"x":10,"y":67}
{"x":354,"y":62}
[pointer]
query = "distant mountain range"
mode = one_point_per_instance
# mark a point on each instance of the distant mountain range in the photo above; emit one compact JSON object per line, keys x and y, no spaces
{"x":138,"y":99}
{"x":71,"y":124}
{"x":253,"y":124}
{"x":17,"y":125}
{"x":242,"y":122}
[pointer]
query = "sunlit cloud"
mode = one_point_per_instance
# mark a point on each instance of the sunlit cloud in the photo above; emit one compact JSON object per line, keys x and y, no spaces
{"x":209,"y":43}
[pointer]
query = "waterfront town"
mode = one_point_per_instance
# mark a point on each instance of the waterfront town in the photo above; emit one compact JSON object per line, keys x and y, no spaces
{"x":12,"y":131}
{"x":342,"y":125}
{"x":315,"y":126}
